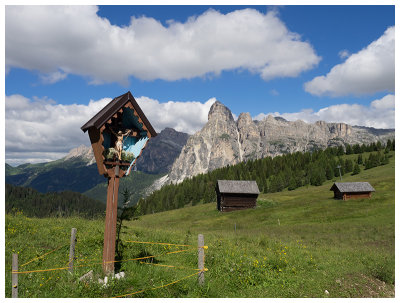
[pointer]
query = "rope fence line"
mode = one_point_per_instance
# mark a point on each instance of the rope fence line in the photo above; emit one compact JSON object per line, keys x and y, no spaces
{"x":199,"y":271}
{"x":171,"y":266}
{"x":157,"y":243}
{"x":87,"y":265}
{"x":162,"y":286}
{"x":52,"y":275}
{"x":43,"y":255}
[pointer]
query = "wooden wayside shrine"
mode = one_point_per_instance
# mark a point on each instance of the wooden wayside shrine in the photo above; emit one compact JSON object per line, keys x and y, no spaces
{"x":118,"y":134}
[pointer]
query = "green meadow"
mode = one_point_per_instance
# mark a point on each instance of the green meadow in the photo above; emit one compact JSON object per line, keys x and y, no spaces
{"x":300,"y":243}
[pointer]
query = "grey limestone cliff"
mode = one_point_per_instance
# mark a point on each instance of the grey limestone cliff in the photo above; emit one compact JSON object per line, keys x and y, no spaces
{"x":224,"y":141}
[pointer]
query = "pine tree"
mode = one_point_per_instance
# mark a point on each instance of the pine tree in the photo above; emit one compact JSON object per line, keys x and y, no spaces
{"x":329,"y":172}
{"x":292,"y":184}
{"x":340,"y":151}
{"x":348,"y":166}
{"x":356,"y":169}
{"x":349,"y":149}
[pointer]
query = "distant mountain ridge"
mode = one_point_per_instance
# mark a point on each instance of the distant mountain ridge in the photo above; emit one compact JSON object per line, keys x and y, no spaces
{"x":156,"y":158}
{"x":224,"y":141}
{"x":161,"y":152}
{"x":78,"y":172}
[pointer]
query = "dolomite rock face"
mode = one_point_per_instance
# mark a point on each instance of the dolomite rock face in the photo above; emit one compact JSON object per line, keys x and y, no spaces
{"x":216,"y":145}
{"x":224,"y":141}
{"x":85,"y":153}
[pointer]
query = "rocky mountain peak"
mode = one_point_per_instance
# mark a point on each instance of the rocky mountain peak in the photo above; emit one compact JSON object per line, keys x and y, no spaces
{"x":244,"y":119}
{"x":270,"y":119}
{"x":222,"y":141}
{"x":218,"y":111}
{"x":83,"y":152}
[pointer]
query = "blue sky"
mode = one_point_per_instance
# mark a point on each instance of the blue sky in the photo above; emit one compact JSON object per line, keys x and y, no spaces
{"x":333,"y":63}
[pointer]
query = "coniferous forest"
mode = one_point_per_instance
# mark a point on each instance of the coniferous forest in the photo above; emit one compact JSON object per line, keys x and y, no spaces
{"x":271,"y":174}
{"x":64,"y":204}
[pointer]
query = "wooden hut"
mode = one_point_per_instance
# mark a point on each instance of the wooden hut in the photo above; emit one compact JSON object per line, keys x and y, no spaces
{"x":352,"y":190}
{"x":236,"y":195}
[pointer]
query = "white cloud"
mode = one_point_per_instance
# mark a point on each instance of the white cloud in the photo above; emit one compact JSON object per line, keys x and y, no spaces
{"x":343,"y":54}
{"x":380,"y":114}
{"x":53,"y":77}
{"x":74,"y":39}
{"x":186,"y":117}
{"x":369,"y":71}
{"x":41,"y":130}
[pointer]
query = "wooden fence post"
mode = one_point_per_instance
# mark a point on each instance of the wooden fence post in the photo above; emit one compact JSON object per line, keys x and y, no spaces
{"x":72,"y":250}
{"x":14,"y":279}
{"x":200,"y":250}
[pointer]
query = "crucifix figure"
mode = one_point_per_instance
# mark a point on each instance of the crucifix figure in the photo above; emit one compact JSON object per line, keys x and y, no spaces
{"x":120,"y":141}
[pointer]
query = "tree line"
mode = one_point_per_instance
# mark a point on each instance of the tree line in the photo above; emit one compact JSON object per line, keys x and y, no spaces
{"x":271,"y":174}
{"x":64,"y":204}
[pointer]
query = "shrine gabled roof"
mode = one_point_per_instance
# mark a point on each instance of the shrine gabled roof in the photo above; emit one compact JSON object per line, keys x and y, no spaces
{"x":114,"y":106}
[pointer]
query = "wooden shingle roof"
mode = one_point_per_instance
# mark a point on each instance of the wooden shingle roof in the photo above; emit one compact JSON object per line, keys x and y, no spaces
{"x":111,"y":108}
{"x":352,"y":187}
{"x":237,"y":187}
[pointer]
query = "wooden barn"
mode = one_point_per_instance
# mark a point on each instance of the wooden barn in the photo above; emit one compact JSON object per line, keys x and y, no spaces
{"x":352,"y":190}
{"x":236,"y":195}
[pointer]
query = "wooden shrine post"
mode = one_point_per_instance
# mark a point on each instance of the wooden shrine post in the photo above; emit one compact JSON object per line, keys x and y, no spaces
{"x":111,"y":222}
{"x":118,"y":134}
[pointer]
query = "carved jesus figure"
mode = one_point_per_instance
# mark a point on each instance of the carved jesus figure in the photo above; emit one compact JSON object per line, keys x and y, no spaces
{"x":120,"y":141}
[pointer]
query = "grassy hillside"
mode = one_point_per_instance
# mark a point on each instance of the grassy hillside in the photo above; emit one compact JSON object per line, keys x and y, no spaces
{"x":300,"y":243}
{"x":137,"y":182}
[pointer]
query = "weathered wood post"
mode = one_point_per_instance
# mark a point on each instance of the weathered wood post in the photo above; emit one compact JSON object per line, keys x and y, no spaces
{"x":111,"y":222}
{"x":14,"y":278}
{"x":72,"y":250}
{"x":200,"y":250}
{"x":118,"y":134}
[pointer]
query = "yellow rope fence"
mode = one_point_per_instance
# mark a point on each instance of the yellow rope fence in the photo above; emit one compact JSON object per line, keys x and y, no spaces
{"x":134,"y":259}
{"x":87,"y":265}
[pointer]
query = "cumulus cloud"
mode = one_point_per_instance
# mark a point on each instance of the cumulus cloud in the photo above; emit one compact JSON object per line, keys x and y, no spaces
{"x":369,"y":71}
{"x":343,"y":54}
{"x":186,"y":117}
{"x":379,"y":114}
{"x":53,"y":77}
{"x":40,"y":130}
{"x":74,"y":39}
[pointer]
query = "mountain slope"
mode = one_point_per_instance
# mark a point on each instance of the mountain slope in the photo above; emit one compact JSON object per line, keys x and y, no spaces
{"x":35,"y":204}
{"x":137,"y":183}
{"x":161,"y":152}
{"x":72,"y":174}
{"x":78,"y":172}
{"x":224,"y":141}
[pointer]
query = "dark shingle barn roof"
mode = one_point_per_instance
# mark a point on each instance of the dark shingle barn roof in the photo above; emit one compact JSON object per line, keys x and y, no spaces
{"x":238,"y":187}
{"x":353,"y":187}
